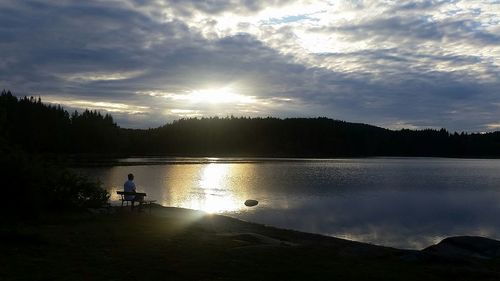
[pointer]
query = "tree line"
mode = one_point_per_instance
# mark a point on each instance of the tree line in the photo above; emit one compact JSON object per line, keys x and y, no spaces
{"x":28,"y":130}
{"x":38,"y":127}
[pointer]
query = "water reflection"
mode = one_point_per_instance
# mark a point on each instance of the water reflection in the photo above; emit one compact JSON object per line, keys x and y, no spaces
{"x":403,"y":219}
{"x":407,"y":203}
{"x":213,"y":187}
{"x":211,"y":193}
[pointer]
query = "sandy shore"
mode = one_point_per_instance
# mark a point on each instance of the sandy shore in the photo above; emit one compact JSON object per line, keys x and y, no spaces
{"x":181,"y":244}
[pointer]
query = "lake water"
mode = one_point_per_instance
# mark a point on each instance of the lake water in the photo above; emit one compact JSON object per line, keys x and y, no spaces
{"x":400,"y":202}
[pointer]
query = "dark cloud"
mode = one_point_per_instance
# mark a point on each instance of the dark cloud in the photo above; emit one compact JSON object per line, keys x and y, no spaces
{"x":418,"y":5}
{"x":415,"y":27}
{"x":188,"y":8}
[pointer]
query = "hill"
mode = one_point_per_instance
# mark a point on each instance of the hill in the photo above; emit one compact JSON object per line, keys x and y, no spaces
{"x":37,"y":127}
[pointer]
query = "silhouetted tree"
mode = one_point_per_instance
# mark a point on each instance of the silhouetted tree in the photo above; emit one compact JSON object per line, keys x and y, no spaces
{"x":37,"y":127}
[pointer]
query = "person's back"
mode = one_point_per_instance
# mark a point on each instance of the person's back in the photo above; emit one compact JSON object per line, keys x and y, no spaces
{"x":129,"y":186}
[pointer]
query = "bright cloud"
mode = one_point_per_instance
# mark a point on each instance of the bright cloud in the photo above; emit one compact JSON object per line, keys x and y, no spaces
{"x":98,"y":105}
{"x":98,"y":76}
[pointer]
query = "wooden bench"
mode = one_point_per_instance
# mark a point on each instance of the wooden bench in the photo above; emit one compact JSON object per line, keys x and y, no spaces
{"x":141,"y":201}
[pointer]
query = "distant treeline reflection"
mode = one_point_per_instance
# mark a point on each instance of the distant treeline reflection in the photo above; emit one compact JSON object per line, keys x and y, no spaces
{"x":38,"y":127}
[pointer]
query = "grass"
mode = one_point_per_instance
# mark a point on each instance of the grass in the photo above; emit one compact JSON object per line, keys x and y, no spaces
{"x":177,"y":244}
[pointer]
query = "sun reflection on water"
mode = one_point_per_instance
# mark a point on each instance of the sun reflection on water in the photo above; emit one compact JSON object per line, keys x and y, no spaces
{"x":212,"y":194}
{"x":211,"y":187}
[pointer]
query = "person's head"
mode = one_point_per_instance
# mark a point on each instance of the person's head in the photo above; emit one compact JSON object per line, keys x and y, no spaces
{"x":130,"y":177}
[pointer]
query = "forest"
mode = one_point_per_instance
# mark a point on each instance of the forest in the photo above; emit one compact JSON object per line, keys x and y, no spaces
{"x":36,"y":127}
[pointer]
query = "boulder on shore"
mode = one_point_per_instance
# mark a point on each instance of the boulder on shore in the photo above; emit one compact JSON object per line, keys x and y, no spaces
{"x":466,"y":247}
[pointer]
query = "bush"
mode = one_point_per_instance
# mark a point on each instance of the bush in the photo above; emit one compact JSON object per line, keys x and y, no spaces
{"x":33,"y":184}
{"x":70,"y":191}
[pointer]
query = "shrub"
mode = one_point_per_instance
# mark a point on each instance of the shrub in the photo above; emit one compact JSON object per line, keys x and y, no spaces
{"x":68,"y":190}
{"x":33,"y":184}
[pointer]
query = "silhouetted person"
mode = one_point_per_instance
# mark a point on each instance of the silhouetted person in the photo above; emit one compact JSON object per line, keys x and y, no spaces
{"x":129,"y":186}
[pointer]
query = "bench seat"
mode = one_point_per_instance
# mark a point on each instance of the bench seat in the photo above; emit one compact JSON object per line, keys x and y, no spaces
{"x":141,"y":202}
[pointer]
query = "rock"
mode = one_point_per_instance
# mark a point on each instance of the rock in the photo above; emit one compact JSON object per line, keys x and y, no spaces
{"x":251,"y":203}
{"x":466,"y":247}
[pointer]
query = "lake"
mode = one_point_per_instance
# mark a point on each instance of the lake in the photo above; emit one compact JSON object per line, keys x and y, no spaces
{"x":399,"y":202}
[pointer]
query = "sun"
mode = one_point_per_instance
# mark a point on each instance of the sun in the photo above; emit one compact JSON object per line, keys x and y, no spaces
{"x":217,"y":96}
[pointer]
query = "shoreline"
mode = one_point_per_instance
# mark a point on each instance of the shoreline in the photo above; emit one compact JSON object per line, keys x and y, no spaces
{"x":452,"y":248}
{"x":184,"y":244}
{"x":321,"y":237}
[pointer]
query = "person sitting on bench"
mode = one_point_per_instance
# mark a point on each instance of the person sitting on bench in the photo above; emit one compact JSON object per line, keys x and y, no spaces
{"x":129,"y":186}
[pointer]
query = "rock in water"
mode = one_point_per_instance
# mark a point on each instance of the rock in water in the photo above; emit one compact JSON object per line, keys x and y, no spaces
{"x":251,"y":203}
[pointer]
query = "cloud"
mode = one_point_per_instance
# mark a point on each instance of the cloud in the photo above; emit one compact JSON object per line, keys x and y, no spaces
{"x":417,"y":63}
{"x":93,"y":105}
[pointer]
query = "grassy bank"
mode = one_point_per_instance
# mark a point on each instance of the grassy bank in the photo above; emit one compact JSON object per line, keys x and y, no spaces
{"x":178,"y":244}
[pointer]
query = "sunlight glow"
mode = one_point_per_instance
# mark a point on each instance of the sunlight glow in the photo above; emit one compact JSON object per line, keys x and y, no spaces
{"x":216,"y":101}
{"x":208,"y":186}
{"x":221,"y":95}
{"x":215,"y":200}
{"x":224,"y":95}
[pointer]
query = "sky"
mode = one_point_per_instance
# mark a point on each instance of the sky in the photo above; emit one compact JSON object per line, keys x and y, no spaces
{"x":394,"y":64}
